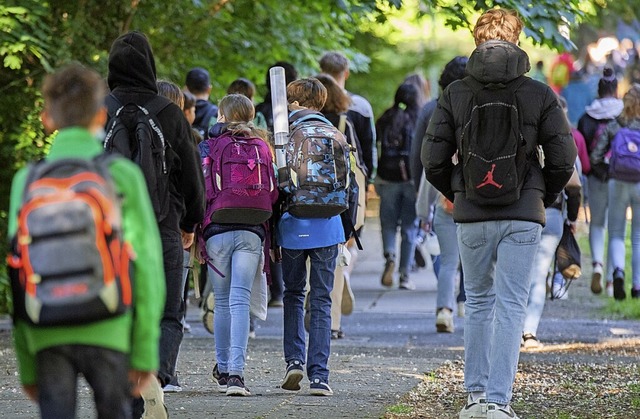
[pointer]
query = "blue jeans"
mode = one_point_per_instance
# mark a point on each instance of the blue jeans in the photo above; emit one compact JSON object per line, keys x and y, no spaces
{"x":294,"y":273}
{"x":598,"y":200}
{"x":105,"y":370}
{"x":171,"y":326}
{"x":445,"y":228}
{"x":496,"y":259}
{"x":623,"y":195}
{"x":551,"y":234}
{"x":398,"y":209}
{"x":236,"y":254}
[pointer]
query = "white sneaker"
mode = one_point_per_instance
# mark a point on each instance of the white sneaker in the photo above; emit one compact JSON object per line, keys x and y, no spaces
{"x":474,"y":409}
{"x":496,"y":411}
{"x":560,"y":291}
{"x":444,"y":321}
{"x":153,"y":397}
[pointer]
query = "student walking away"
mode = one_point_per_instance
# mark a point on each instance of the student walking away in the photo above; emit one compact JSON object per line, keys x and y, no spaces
{"x":360,"y":112}
{"x":104,"y":325}
{"x":335,"y":110}
{"x":601,"y":111}
{"x":310,"y":228}
{"x":237,"y":162}
{"x":498,"y":201}
{"x":436,"y":213}
{"x":198,"y":83}
{"x":264,"y":111}
{"x":395,"y":186}
{"x":563,"y":211}
{"x":173,"y":176}
{"x":621,"y":138}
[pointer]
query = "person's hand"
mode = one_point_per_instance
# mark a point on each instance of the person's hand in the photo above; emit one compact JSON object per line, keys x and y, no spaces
{"x":187,"y":239}
{"x":31,"y":391}
{"x":573,"y":227}
{"x":139,"y":381}
{"x":425,"y":226}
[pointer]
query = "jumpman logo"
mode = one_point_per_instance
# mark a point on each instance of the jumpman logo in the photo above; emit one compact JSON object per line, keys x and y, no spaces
{"x":488,"y":179}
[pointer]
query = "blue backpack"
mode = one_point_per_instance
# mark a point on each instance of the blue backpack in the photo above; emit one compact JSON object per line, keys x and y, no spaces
{"x":624,"y":163}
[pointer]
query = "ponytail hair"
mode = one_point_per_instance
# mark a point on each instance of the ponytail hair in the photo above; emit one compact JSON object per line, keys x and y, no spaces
{"x":239,"y":113}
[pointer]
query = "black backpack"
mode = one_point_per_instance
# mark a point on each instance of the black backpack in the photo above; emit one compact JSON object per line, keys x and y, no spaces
{"x":393,"y":164}
{"x":135,"y":132}
{"x":493,"y":150}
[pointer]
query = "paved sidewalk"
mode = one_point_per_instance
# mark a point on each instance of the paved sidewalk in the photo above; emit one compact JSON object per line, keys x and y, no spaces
{"x":390,"y":343}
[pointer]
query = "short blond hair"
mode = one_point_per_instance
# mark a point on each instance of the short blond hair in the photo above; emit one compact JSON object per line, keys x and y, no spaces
{"x":309,"y":93}
{"x":498,"y":24}
{"x":631,"y":102}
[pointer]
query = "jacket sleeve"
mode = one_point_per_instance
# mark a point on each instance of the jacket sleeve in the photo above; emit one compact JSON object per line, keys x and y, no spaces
{"x":190,"y":178}
{"x":573,"y":191}
{"x":417,"y":169}
{"x":599,"y":168}
{"x":439,"y":147}
{"x":560,"y":152}
{"x":141,"y":232}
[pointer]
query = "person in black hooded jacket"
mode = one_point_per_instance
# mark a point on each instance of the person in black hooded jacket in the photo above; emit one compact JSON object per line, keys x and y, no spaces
{"x":497,"y":242}
{"x":132,"y":79}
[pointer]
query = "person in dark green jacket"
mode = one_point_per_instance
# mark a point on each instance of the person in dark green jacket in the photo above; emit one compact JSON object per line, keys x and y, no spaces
{"x":119,"y":356}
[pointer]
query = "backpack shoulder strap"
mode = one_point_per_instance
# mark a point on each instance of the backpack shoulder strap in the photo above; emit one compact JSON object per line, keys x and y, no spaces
{"x":113,"y":104}
{"x":342,"y":123}
{"x":308,"y":115}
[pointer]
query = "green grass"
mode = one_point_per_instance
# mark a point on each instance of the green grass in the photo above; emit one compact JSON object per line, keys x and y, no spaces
{"x":629,"y":308}
{"x":400,"y":409}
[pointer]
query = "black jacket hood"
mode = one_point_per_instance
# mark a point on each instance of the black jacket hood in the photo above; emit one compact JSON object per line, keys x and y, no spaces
{"x":497,"y":62}
{"x":131,"y":63}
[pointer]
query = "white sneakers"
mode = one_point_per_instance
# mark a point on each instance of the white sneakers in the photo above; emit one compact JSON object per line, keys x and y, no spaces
{"x":480,"y":409}
{"x":444,"y":321}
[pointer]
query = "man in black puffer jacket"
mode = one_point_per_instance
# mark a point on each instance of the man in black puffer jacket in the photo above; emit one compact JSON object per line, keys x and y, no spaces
{"x":132,"y":79}
{"x":497,"y":242}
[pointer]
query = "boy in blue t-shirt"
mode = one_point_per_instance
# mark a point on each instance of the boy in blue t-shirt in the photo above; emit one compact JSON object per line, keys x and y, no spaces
{"x":315,"y":240}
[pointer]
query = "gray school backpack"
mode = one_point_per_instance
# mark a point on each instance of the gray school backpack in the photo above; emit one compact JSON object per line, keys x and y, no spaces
{"x":316,"y":177}
{"x":69,"y":262}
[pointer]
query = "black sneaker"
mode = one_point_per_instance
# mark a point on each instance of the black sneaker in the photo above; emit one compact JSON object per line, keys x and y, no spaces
{"x":635,"y":293}
{"x":221,"y":379}
{"x":419,"y":258}
{"x":236,"y":387}
{"x":337,"y":334}
{"x":618,"y":284}
{"x":319,"y":388}
{"x":293,"y":376}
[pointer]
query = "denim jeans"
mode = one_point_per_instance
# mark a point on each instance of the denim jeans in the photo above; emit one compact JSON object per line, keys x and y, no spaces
{"x":623,"y":195}
{"x":551,"y":234}
{"x":598,"y":201}
{"x":398,"y":209}
{"x":496,"y":259}
{"x":445,"y":229}
{"x":236,"y":254}
{"x":105,"y":370}
{"x":171,"y":326}
{"x":294,"y":272}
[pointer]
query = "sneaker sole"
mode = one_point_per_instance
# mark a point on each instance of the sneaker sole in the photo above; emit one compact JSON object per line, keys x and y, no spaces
{"x":443,"y":328}
{"x":320,"y":392}
{"x":238,"y":391}
{"x":596,"y":283}
{"x":222,"y":389}
{"x":618,"y":289}
{"x":292,"y":380}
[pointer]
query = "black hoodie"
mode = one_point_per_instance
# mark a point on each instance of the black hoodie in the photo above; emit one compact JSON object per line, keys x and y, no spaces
{"x":132,"y":79}
{"x":544,"y":124}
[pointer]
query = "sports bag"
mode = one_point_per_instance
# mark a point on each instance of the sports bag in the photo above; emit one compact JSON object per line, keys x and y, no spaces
{"x":71,"y":262}
{"x":568,"y":255}
{"x":239,"y":180}
{"x":135,"y":132}
{"x":624,"y":163}
{"x":493,"y":149}
{"x":316,"y":177}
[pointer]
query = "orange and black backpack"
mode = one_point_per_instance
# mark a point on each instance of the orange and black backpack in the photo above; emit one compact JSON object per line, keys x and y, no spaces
{"x":69,"y":264}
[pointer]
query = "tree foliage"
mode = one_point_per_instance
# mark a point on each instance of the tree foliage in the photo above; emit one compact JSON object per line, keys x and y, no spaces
{"x":231,"y":38}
